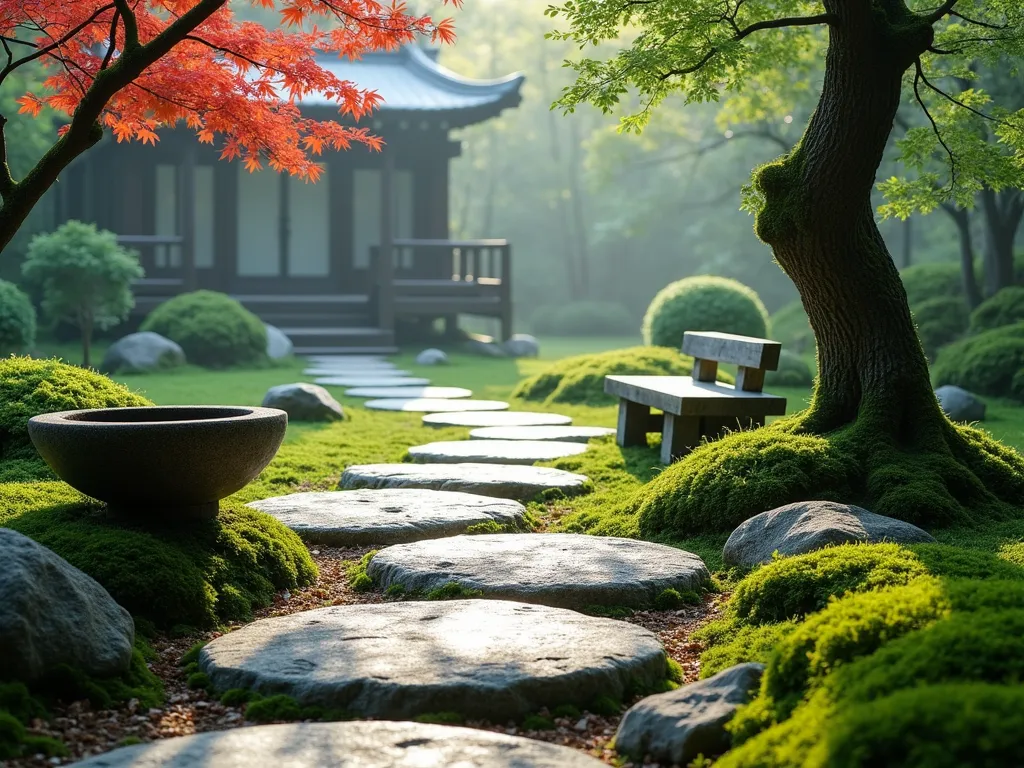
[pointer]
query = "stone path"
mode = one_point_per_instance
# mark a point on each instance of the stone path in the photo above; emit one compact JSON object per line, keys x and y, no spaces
{"x":495,"y":419}
{"x":386,"y":379}
{"x":495,"y":660}
{"x":411,"y":392}
{"x":433,"y":405}
{"x":386,"y":516}
{"x":345,"y":359}
{"x":375,"y":369}
{"x":498,"y":480}
{"x":559,"y":434}
{"x":565,"y":570}
{"x":493,"y":451}
{"x":345,"y":745}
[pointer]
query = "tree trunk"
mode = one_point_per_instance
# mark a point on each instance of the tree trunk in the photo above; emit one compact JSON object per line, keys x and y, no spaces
{"x":962,"y":218}
{"x":908,"y":243}
{"x":818,"y":218}
{"x":1002,"y":218}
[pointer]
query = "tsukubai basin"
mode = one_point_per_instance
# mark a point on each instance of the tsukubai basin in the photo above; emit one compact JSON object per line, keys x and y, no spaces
{"x":159,"y":463}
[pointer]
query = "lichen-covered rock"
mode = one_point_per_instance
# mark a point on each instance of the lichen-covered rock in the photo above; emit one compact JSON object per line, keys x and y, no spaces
{"x":432,"y":357}
{"x":279,"y":345}
{"x":806,"y":526}
{"x":142,"y":352}
{"x":959,"y":404}
{"x":52,"y":614}
{"x":674,"y":728}
{"x":521,"y":345}
{"x":304,"y":402}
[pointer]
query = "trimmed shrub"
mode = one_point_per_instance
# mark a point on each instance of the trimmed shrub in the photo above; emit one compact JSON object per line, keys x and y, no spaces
{"x":940,"y":321}
{"x":704,"y":303}
{"x":986,"y":364}
{"x":941,"y":280}
{"x":731,"y":643}
{"x":584,"y":318}
{"x":215,"y":330}
{"x":1006,"y":307}
{"x":793,"y":371}
{"x":30,"y":387}
{"x":17,"y":320}
{"x":791,"y":326}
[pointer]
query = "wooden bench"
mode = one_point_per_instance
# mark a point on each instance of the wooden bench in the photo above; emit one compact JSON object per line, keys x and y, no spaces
{"x":697,"y":406}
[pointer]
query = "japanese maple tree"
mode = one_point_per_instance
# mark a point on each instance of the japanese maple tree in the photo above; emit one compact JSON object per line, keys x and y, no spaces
{"x":133,"y":66}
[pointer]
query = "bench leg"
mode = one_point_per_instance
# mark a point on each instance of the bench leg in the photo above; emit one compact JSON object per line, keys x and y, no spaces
{"x":634,"y":420}
{"x":679,"y":436}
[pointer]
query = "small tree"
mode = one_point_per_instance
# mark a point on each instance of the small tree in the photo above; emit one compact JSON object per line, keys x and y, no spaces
{"x":85,"y":277}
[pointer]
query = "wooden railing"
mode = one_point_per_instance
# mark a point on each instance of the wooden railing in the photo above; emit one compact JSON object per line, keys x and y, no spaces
{"x":160,"y":257}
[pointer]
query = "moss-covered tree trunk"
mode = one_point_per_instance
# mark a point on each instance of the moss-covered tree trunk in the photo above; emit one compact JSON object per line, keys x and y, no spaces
{"x":818,"y":218}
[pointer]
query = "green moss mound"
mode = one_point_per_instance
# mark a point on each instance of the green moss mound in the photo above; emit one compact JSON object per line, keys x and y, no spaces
{"x":17,"y":320}
{"x":793,"y":371}
{"x":30,"y":387}
{"x":986,"y":364}
{"x":704,"y":303}
{"x":580,"y":380}
{"x":940,"y":321}
{"x":213,"y":329}
{"x":584,"y":318}
{"x":923,"y":282}
{"x":1006,"y":307}
{"x":791,"y":326}
{"x":199,"y":575}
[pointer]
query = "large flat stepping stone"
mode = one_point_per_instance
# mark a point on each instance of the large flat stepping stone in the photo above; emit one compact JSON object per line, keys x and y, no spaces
{"x":433,"y":405}
{"x":503,"y":481}
{"x":493,"y":451}
{"x":386,"y":516}
{"x":487,"y":659}
{"x":559,"y":434}
{"x":345,"y":745}
{"x":411,"y":392}
{"x":371,"y":380}
{"x":495,"y":419}
{"x":565,"y":570}
{"x":330,"y":359}
{"x":377,"y":369}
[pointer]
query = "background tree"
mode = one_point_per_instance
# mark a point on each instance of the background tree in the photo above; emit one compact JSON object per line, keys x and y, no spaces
{"x":85,"y":278}
{"x":813,"y":206}
{"x":133,"y":67}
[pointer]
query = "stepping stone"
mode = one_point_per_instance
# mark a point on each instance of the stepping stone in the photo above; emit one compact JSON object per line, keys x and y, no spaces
{"x":494,"y":660}
{"x":564,"y":570}
{"x":496,"y":419}
{"x":329,"y":359}
{"x":433,"y":405}
{"x":386,"y":516}
{"x":367,"y":380}
{"x":345,"y":745}
{"x":493,"y":451}
{"x":411,"y":392}
{"x":354,"y":370}
{"x":561,"y":434}
{"x":503,"y":481}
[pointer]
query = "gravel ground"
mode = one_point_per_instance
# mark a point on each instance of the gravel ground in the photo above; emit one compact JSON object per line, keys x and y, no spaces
{"x":89,"y":732}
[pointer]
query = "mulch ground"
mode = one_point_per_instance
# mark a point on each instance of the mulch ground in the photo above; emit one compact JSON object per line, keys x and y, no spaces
{"x":86,"y":731}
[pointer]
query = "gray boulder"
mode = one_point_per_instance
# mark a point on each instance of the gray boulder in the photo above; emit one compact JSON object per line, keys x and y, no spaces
{"x":52,"y":614}
{"x":806,"y":526}
{"x":142,"y":352}
{"x":432,"y":357}
{"x":959,"y":404}
{"x":521,"y":345}
{"x":278,"y":345}
{"x":304,"y":402}
{"x":674,"y":728}
{"x":484,"y":347}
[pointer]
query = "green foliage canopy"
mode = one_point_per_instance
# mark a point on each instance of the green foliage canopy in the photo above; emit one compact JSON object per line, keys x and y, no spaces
{"x":17,"y":320}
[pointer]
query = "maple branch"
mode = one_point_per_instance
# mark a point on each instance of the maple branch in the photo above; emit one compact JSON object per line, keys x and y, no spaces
{"x":977,"y":22}
{"x":112,"y":41}
{"x":56,"y":44}
{"x":131,"y":25}
{"x":918,"y":77}
{"x":16,"y":40}
{"x":943,"y":10}
{"x":229,"y":52}
{"x":6,"y":179}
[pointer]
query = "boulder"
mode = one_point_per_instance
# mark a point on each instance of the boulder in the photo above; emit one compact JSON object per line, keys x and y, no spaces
{"x":432,"y":357}
{"x":52,"y":614}
{"x":278,"y":345}
{"x":806,"y":526}
{"x":521,"y":345}
{"x":304,"y":402}
{"x":142,"y":352}
{"x":483,"y":348}
{"x":674,"y":728}
{"x":959,"y":404}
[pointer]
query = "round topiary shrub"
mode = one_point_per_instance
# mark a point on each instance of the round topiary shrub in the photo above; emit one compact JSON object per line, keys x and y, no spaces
{"x":941,"y":280}
{"x":17,"y":320}
{"x":793,"y":371}
{"x":583,"y":318}
{"x":986,"y":364}
{"x":215,"y":330}
{"x":704,"y":303}
{"x":940,"y":321}
{"x":1006,"y":307}
{"x":791,"y":326}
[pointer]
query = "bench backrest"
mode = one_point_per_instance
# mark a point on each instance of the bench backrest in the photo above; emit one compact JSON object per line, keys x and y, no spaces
{"x":753,"y":356}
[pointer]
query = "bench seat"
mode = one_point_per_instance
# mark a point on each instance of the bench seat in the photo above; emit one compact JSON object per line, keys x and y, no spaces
{"x":682,"y":396}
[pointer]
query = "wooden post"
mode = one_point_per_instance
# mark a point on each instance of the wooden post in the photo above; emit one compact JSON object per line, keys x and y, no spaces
{"x":187,"y":216}
{"x":634,"y":420}
{"x":506,"y":292}
{"x":704,"y":370}
{"x":679,"y":436}
{"x":385,"y":257}
{"x":284,"y":230}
